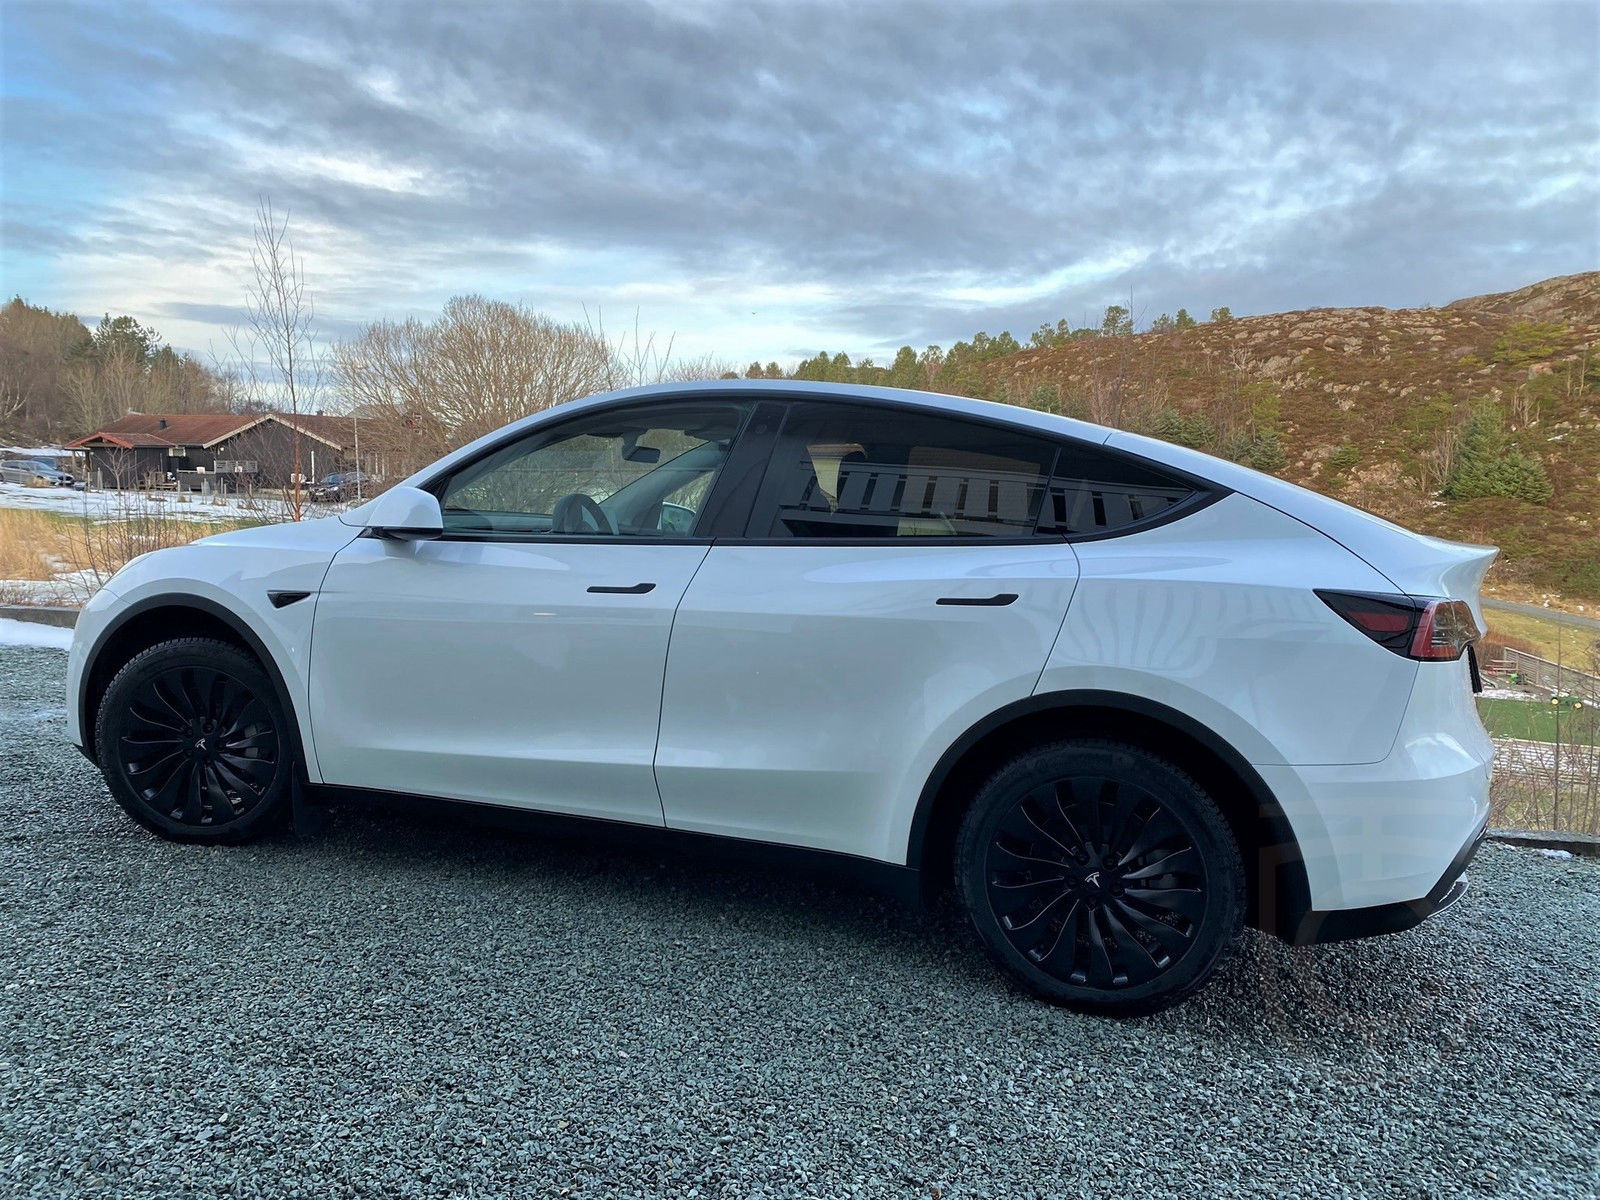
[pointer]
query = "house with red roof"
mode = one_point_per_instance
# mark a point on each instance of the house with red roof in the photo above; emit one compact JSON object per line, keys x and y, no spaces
{"x":229,"y":450}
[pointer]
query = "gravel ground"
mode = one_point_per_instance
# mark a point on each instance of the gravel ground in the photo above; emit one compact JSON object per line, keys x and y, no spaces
{"x":402,"y":1009}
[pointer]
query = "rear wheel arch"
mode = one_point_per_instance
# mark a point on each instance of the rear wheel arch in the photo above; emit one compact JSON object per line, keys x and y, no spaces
{"x":1277,"y":891}
{"x":163,"y":618}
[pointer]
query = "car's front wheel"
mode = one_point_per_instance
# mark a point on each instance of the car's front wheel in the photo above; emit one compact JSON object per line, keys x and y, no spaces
{"x":1101,"y":877}
{"x":194,"y":744}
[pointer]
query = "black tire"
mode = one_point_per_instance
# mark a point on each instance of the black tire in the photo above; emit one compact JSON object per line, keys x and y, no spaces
{"x":194,"y":744}
{"x":1100,"y":877}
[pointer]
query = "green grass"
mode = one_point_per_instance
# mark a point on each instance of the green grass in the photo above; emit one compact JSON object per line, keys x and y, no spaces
{"x":1536,"y":722}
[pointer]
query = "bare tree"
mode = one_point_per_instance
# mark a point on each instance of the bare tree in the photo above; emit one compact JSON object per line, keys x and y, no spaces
{"x":98,"y":392}
{"x":36,"y":346}
{"x":634,"y":359}
{"x":637,"y":360}
{"x":280,"y":329}
{"x":12,"y":400}
{"x":702,"y":366}
{"x":427,"y":388}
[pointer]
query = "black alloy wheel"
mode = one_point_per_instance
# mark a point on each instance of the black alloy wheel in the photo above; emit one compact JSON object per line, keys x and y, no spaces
{"x":1100,"y":877}
{"x":194,"y":744}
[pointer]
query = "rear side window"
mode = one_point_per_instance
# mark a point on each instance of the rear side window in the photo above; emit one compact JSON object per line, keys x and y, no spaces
{"x":1094,"y":492}
{"x":841,"y":471}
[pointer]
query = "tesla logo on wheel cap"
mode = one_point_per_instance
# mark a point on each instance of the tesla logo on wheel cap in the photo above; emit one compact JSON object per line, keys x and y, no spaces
{"x":1092,"y":878}
{"x":200,"y":744}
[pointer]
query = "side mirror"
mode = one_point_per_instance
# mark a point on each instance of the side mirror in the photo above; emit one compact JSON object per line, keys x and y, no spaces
{"x":405,"y":514}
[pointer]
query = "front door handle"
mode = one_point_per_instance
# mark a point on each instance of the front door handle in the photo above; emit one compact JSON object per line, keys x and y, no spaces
{"x":637,"y":589}
{"x":996,"y":601}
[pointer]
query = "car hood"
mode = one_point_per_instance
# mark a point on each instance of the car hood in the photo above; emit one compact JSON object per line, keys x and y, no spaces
{"x":321,"y":532}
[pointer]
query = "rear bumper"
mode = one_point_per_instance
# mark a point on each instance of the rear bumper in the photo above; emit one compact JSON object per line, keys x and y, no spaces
{"x":1376,"y":836}
{"x":1347,"y":924}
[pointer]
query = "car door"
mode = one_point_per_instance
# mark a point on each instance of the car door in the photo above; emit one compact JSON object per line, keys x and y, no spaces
{"x":518,"y":659}
{"x":889,"y":592}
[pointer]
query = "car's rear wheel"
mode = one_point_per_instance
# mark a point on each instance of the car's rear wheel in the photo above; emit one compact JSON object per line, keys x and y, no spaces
{"x":194,"y":744}
{"x":1100,"y":877}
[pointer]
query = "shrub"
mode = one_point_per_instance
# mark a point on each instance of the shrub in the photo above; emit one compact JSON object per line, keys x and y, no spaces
{"x":1196,"y":432}
{"x":1266,"y":451}
{"x":1236,"y":447}
{"x":1579,"y":571}
{"x":1524,"y":341}
{"x":1263,"y":451}
{"x":1265,"y":405}
{"x":1487,"y":464}
{"x":1046,"y":397}
{"x":1343,"y":457}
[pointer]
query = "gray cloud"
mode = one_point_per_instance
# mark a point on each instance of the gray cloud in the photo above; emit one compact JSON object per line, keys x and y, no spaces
{"x":925,"y":170}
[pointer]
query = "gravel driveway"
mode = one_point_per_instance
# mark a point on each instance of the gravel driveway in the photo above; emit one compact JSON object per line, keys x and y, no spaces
{"x":401,"y":1009}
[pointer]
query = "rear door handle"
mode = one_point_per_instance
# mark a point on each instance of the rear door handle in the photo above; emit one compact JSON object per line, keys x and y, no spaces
{"x":996,"y":601}
{"x":637,"y":589}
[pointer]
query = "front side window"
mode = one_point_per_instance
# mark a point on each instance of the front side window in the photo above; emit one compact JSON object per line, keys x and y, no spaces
{"x":641,"y":472}
{"x":840,"y":471}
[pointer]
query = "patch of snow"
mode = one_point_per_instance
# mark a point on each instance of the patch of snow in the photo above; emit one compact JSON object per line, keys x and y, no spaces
{"x":1548,"y":853}
{"x":1519,"y":756}
{"x":1497,"y":693}
{"x":181,"y":506}
{"x":67,"y":588}
{"x":31,"y":633}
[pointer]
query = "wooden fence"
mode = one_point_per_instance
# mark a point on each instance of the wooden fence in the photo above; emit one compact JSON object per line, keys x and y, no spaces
{"x":1555,"y":678}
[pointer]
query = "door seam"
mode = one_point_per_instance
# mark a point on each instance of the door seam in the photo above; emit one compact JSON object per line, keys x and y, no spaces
{"x":1077,"y":582}
{"x":666,"y":663}
{"x":311,"y":640}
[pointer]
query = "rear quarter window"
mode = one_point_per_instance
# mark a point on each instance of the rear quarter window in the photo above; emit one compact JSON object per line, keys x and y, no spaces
{"x":1094,"y":493}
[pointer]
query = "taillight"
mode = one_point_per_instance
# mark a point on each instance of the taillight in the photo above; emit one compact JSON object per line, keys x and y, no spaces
{"x":1429,"y":630}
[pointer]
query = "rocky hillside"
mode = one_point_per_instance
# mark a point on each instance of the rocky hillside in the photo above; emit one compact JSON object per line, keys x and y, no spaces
{"x":1477,"y":421}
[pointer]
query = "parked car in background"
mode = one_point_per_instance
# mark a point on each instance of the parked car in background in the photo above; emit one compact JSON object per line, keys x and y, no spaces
{"x":343,"y":485}
{"x":1123,"y":696}
{"x":35,"y":472}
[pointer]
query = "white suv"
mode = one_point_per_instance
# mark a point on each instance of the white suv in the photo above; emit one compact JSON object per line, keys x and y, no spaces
{"x":1123,"y":695}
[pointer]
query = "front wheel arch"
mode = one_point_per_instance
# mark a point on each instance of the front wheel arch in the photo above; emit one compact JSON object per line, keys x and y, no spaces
{"x":157,"y":619}
{"x":1278,"y":893}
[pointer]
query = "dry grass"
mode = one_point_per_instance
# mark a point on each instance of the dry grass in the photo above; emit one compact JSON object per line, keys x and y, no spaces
{"x":1548,"y":637}
{"x":81,"y":553}
{"x":32,"y":544}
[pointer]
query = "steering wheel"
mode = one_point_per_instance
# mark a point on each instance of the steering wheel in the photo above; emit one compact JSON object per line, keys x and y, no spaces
{"x":578,"y":513}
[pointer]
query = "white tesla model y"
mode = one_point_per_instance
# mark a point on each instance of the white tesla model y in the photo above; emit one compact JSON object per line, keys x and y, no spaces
{"x":1123,"y":696}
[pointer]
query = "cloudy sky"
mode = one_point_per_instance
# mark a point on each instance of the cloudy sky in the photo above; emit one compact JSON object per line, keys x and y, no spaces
{"x":770,"y":181}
